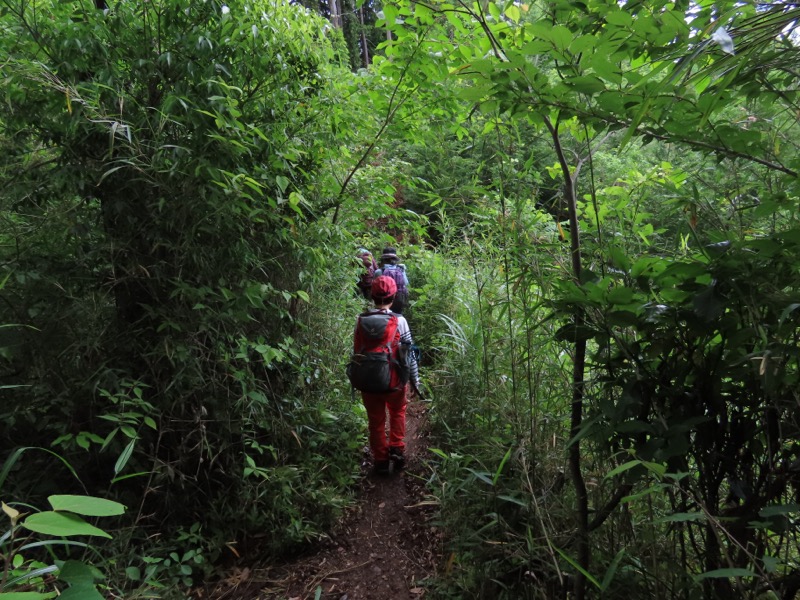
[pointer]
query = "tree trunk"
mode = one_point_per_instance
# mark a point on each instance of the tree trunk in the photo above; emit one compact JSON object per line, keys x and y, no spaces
{"x":363,"y":36}
{"x":336,"y":12}
{"x":578,"y":368}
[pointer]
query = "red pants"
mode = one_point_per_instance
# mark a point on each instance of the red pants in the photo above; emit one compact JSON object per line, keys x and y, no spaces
{"x":376,"y":405}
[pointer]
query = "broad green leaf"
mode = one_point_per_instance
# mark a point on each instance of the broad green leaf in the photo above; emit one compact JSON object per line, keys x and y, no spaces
{"x":61,"y":524}
{"x":422,"y":12}
{"x":779,"y":510}
{"x":89,"y":506}
{"x":129,"y":431}
{"x":612,"y":101}
{"x":620,"y":18}
{"x":682,"y":272}
{"x":513,"y":12}
{"x":648,"y":267}
{"x":390,"y":13}
{"x":81,"y":593}
{"x":77,"y":573}
{"x":771,"y":563}
{"x":607,"y":69}
{"x":472,"y":93}
{"x":656,"y":468}
{"x":620,"y":295}
{"x":618,"y":259}
{"x":731,"y":572}
{"x":584,"y":44}
{"x":561,"y":37}
{"x":484,"y":65}
{"x":586,"y":84}
{"x":536,"y":46}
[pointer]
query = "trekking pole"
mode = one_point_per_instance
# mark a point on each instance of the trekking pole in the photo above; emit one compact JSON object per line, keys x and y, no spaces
{"x":416,"y":354}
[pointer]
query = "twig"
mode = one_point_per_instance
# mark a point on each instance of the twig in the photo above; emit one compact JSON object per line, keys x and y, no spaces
{"x":320,"y":578}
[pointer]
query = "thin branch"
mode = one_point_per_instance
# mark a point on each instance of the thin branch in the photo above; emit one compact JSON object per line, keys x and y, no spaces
{"x":390,"y":113}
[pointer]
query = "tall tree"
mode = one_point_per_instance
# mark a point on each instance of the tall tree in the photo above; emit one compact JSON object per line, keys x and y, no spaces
{"x":655,"y":71}
{"x":163,"y":150}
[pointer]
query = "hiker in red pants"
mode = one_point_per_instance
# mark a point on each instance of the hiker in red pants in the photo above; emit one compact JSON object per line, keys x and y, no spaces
{"x":381,"y":368}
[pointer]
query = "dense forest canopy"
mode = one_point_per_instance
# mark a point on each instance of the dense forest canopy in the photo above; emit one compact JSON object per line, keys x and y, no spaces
{"x":598,"y":206}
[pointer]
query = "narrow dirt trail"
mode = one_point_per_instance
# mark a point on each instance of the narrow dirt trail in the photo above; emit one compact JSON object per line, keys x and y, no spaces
{"x":383,"y":549}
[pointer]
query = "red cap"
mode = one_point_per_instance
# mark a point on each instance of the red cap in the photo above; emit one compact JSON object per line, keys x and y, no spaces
{"x":383,"y":288}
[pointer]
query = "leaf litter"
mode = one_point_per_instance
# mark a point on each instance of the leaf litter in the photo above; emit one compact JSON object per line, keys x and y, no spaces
{"x":384,"y":548}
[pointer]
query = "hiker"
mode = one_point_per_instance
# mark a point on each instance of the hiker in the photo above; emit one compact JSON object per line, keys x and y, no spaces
{"x":364,"y":284}
{"x":390,"y":267}
{"x":381,"y":368}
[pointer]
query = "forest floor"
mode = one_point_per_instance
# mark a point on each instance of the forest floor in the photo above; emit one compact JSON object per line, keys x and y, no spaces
{"x":384,"y":548}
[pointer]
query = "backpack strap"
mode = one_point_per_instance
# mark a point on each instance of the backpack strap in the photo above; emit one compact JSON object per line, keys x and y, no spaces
{"x":376,"y":331}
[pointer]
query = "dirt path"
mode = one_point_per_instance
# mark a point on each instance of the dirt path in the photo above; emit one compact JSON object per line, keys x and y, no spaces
{"x":384,"y":548}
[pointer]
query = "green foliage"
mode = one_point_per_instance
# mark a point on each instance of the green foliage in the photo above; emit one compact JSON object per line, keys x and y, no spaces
{"x":23,"y":569}
{"x":698,"y":375}
{"x":160,"y":249}
{"x":667,"y":230}
{"x":183,"y":188}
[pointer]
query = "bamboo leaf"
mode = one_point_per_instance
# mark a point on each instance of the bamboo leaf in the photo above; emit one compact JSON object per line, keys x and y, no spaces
{"x":502,"y":464}
{"x":482,"y":475}
{"x":124,"y":457}
{"x":622,"y":468}
{"x":580,"y":569}
{"x":722,"y":573}
{"x":611,"y":571}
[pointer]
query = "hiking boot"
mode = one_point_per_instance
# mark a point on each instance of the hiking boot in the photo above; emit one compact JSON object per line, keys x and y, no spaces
{"x":381,"y":467}
{"x":396,"y":456}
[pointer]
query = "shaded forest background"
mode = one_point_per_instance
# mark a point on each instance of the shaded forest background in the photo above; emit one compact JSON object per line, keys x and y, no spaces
{"x":597,"y":203}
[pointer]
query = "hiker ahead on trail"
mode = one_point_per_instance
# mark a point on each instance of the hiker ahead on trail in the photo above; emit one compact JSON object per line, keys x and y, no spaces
{"x":390,"y":267}
{"x":370,"y":266}
{"x":381,"y":367}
